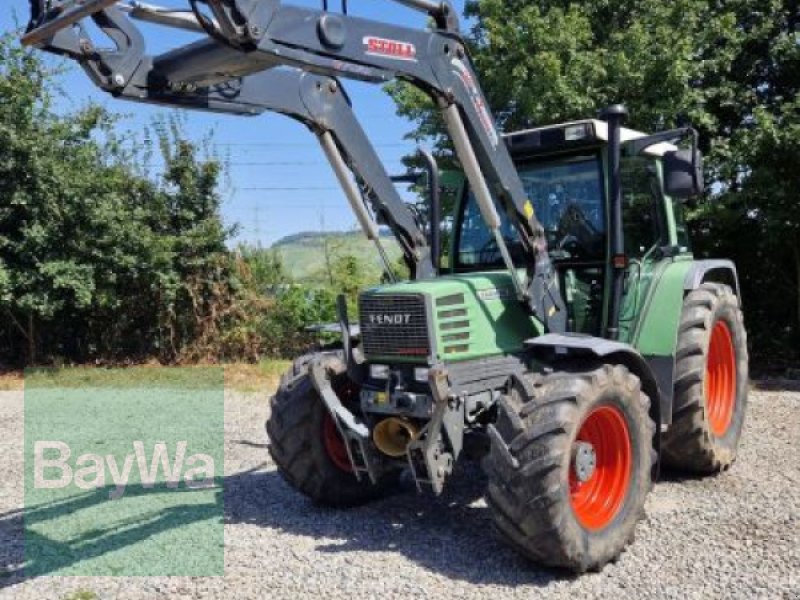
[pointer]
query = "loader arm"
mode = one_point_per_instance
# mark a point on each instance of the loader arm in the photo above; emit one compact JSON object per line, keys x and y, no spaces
{"x":251,"y":36}
{"x":317,"y":101}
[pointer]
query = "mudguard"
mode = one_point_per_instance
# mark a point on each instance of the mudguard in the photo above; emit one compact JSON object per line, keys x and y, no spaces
{"x":554,"y":346}
{"x":717,"y":271}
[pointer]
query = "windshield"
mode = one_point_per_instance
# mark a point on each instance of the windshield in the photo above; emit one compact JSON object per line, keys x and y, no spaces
{"x":568,"y":198}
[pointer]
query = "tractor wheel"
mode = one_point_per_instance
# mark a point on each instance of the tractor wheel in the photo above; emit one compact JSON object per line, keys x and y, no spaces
{"x":711,"y":382}
{"x":570,"y":465}
{"x":305,"y":443}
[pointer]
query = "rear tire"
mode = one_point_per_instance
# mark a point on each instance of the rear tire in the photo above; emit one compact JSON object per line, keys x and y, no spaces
{"x":711,"y":382}
{"x":539,"y":504}
{"x":302,"y":437}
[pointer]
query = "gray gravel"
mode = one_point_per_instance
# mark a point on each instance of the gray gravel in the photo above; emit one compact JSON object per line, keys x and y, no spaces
{"x":733,"y":536}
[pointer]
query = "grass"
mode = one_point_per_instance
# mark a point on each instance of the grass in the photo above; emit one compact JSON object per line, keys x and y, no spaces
{"x":198,"y":377}
{"x":261,"y":377}
{"x":11,"y":381}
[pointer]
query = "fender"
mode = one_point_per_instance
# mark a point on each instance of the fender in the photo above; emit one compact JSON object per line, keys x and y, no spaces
{"x":555,"y":346}
{"x":717,"y":271}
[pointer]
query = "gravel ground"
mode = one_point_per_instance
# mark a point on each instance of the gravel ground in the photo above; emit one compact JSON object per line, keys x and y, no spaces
{"x":733,"y":536}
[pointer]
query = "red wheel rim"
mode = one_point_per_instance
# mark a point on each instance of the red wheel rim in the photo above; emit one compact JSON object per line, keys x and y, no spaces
{"x":720,"y":381}
{"x":334,"y":444}
{"x":596,"y":501}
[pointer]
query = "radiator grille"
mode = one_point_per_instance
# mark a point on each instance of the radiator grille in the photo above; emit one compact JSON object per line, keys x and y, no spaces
{"x":394,"y":325}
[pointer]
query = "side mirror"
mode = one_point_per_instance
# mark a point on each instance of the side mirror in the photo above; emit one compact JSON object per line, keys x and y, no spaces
{"x":683,"y":173}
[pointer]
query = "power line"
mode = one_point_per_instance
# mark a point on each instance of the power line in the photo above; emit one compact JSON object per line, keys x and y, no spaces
{"x":287,"y":189}
{"x":245,"y":210}
{"x":286,"y":163}
{"x":282,"y":145}
{"x":278,"y":163}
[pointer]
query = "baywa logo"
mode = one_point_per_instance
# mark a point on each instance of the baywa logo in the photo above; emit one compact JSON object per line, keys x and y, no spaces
{"x":123,"y":476}
{"x":94,"y":471}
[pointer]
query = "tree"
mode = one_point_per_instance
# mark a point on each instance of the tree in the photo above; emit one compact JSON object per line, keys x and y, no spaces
{"x":549,"y":61}
{"x":266,"y":267}
{"x":51,"y":174}
{"x":753,"y":217}
{"x":98,"y":262}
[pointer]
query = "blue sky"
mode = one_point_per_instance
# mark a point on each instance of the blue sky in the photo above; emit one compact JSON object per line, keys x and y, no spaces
{"x":280,"y":182}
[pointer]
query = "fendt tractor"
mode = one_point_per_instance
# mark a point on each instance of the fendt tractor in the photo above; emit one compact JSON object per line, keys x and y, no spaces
{"x":570,"y":340}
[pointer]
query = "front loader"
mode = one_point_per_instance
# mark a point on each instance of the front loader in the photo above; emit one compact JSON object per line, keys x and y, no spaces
{"x":571,"y":342}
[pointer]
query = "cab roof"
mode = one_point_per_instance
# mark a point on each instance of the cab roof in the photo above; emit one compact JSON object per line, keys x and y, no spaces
{"x":573,"y":135}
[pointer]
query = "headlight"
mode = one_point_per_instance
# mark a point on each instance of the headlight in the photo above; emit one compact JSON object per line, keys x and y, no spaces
{"x":379,"y":371}
{"x":421,"y":375}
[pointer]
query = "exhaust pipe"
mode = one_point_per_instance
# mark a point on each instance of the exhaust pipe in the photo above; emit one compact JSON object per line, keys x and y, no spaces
{"x":393,"y":435}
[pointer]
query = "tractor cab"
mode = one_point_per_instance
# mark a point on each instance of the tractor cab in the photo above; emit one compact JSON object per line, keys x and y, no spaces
{"x":565,"y":173}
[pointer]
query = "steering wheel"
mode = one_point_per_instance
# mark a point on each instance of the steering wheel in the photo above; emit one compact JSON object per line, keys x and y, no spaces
{"x":577,"y":233}
{"x":570,"y":245}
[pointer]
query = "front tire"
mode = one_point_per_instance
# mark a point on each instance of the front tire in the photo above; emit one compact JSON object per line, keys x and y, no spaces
{"x":305,"y":443}
{"x":554,"y":507}
{"x":711,"y":382}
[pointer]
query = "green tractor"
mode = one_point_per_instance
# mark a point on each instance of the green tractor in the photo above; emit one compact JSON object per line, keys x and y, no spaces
{"x":570,"y":340}
{"x":570,"y":426}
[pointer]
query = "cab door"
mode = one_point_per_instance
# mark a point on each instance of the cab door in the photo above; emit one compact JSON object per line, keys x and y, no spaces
{"x":646,"y":233}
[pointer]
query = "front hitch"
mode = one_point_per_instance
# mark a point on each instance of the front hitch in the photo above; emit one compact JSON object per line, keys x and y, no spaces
{"x":429,"y":451}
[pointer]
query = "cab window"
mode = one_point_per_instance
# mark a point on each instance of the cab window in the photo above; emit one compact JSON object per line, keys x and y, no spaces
{"x":681,"y":229}
{"x":644,"y":221}
{"x":567,"y":196}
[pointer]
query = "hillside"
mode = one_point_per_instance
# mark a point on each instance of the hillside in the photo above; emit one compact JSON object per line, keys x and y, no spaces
{"x":303,"y":254}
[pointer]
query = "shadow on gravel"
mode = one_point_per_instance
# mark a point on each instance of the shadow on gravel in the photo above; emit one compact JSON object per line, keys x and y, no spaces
{"x":250,"y":444}
{"x":11,"y":548}
{"x":450,"y":535}
{"x":674,"y":476}
{"x":46,"y":556}
{"x":777,"y":384}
